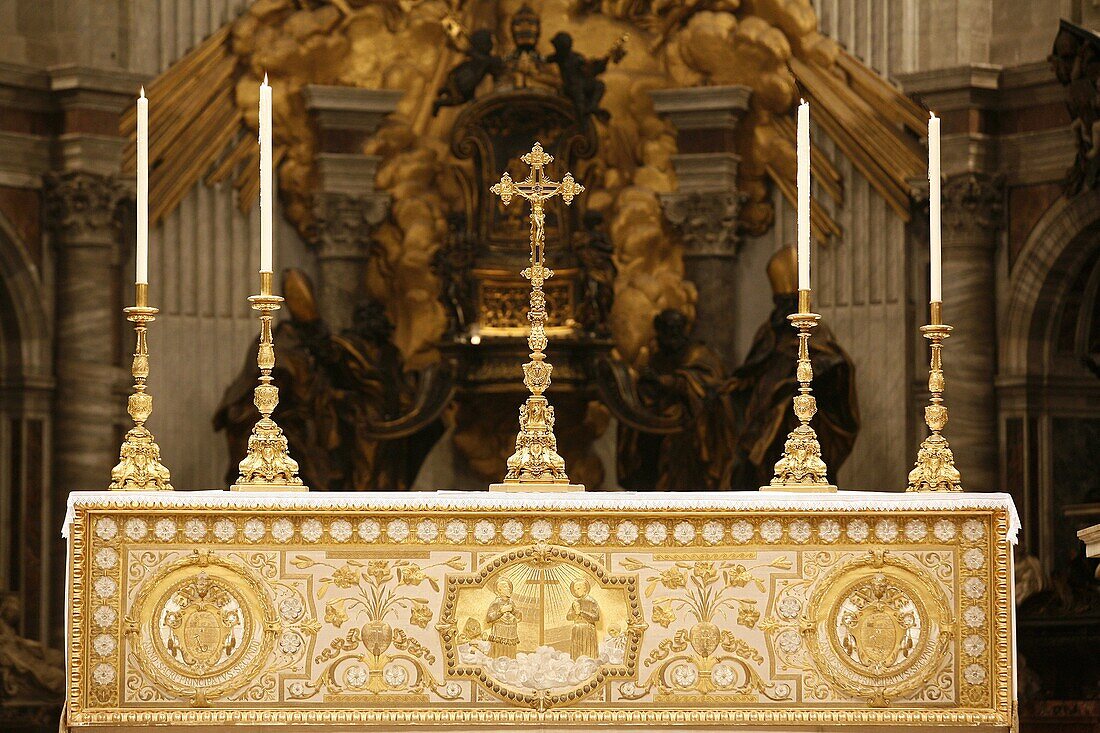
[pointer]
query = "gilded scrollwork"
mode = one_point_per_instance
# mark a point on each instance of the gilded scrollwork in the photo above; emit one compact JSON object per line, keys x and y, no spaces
{"x":351,"y":615}
{"x":707,"y":657}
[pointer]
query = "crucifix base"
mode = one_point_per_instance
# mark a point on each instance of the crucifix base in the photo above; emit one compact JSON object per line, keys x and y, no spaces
{"x":545,"y":487}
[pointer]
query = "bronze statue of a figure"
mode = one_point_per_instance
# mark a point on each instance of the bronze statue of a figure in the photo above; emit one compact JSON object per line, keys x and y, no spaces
{"x":595,"y":254}
{"x":761,"y":390}
{"x":687,"y":426}
{"x":681,"y":378}
{"x":462,"y":81}
{"x":580,"y":76}
{"x":354,"y":418}
{"x":1075,"y":59}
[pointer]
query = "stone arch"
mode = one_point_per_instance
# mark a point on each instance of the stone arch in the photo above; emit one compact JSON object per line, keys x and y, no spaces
{"x":25,"y":325}
{"x":1055,"y":249}
{"x":26,"y":391}
{"x":1049,"y":402}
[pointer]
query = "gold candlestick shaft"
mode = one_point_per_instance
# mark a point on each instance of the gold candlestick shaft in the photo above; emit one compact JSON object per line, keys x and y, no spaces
{"x":801,"y":467}
{"x":536,"y":464}
{"x":935,"y":467}
{"x":139,"y":467}
{"x":268,"y":465}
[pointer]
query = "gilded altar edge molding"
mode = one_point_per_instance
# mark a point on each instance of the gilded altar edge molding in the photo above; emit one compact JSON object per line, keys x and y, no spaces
{"x":211,"y":609}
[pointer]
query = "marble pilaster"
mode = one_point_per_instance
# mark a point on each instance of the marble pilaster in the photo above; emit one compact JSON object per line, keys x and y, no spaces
{"x":82,"y":209}
{"x":972,"y":216}
{"x":342,"y":234}
{"x":346,"y":205}
{"x":705,"y":206}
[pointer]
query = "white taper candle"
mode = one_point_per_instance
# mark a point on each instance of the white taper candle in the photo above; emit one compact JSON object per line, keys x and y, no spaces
{"x":142,"y":257}
{"x":935,"y":261}
{"x":266,"y":192}
{"x":803,"y":196}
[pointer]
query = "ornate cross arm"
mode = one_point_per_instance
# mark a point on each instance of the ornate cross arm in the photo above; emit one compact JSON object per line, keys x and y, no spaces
{"x":536,"y":464}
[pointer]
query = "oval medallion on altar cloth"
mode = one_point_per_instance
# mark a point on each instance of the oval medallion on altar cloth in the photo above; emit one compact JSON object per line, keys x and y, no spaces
{"x":541,"y":626}
{"x":203,"y":627}
{"x":879,"y":627}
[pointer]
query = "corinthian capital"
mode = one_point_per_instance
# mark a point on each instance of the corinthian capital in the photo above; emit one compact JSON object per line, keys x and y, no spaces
{"x":82,"y":207}
{"x":343,"y":223}
{"x":707,"y":221}
{"x":973,"y":200}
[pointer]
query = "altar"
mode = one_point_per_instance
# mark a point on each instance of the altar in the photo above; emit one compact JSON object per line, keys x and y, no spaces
{"x":795,"y":607}
{"x":763,"y":610}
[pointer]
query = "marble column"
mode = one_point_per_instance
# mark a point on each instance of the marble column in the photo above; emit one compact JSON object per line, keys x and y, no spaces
{"x":82,"y":209}
{"x":342,"y":234}
{"x":706,"y":204}
{"x":972,"y":216}
{"x":346,"y":206}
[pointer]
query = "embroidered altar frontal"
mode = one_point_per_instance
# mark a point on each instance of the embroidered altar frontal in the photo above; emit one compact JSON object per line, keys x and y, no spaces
{"x":215,"y":608}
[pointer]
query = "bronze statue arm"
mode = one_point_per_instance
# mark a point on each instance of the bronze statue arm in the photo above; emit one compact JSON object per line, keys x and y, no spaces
{"x":435,"y":390}
{"x":619,"y":392}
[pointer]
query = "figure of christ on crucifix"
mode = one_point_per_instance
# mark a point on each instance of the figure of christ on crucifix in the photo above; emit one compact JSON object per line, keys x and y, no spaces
{"x":536,"y":464}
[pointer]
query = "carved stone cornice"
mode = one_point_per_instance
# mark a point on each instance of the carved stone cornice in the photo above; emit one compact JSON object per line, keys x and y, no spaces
{"x":343,"y":223}
{"x":82,"y":208}
{"x":973,"y":201}
{"x":706,"y":221}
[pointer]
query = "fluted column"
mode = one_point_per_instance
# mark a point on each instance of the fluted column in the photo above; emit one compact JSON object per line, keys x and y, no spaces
{"x":82,"y":209}
{"x":972,"y":216}
{"x":705,"y":206}
{"x":346,"y":206}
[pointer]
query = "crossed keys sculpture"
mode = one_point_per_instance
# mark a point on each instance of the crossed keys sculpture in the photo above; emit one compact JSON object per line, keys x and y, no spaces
{"x":536,"y":464}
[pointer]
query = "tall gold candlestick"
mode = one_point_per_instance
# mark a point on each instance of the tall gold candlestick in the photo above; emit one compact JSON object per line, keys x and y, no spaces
{"x":536,"y":465}
{"x":139,"y":467}
{"x":801,"y":467}
{"x":268,"y":465}
{"x":935,"y":468}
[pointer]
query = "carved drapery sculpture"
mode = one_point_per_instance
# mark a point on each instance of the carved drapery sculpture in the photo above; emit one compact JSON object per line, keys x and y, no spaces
{"x":29,"y":671}
{"x":1075,"y":60}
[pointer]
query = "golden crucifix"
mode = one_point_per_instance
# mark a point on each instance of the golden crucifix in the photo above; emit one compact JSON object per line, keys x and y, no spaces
{"x":536,"y":464}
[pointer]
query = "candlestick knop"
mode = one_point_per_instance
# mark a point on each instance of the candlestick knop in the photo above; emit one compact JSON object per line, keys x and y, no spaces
{"x":801,"y":467}
{"x":139,"y":467}
{"x":935,"y":466}
{"x":536,"y":464}
{"x":267,"y":466}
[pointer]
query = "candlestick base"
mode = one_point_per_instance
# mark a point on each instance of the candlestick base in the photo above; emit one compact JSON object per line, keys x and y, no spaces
{"x":935,"y":467}
{"x":268,"y":465}
{"x":801,"y":467}
{"x":139,"y":467}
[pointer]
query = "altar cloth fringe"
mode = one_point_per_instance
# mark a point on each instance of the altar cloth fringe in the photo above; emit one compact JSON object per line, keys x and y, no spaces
{"x":534,"y":502}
